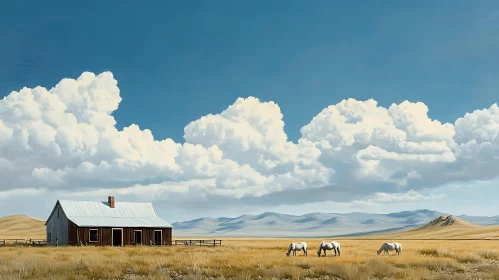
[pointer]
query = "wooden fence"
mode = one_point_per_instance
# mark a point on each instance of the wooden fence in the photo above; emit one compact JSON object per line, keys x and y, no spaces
{"x":194,"y":242}
{"x":22,"y":242}
{"x":43,"y":242}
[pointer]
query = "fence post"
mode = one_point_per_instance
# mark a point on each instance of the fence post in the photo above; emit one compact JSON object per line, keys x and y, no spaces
{"x":56,"y":242}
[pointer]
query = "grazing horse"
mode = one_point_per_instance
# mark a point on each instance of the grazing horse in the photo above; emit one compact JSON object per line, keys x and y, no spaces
{"x":297,"y":246}
{"x":329,"y":246}
{"x":390,"y":247}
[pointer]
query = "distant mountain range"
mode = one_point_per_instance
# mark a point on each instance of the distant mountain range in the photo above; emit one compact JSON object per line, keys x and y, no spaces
{"x":271,"y":224}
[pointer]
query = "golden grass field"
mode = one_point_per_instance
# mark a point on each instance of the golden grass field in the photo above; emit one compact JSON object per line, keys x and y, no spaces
{"x":240,"y":258}
{"x":22,"y":226}
{"x":255,"y":259}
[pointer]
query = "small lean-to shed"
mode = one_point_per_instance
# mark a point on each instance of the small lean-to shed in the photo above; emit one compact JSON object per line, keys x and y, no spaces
{"x":106,"y":224}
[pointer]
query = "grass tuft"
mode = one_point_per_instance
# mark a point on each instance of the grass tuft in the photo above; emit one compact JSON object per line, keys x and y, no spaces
{"x":489,"y":255}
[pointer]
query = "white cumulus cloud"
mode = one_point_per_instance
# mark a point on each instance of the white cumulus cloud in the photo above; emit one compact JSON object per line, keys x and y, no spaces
{"x":65,"y":139}
{"x":409,"y":196}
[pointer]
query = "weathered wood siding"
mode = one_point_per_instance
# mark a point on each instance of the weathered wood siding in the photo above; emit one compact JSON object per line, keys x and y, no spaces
{"x":104,"y":237}
{"x":57,"y":227}
{"x":72,"y":233}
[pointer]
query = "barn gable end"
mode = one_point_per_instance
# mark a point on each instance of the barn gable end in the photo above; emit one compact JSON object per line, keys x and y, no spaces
{"x":57,"y":226}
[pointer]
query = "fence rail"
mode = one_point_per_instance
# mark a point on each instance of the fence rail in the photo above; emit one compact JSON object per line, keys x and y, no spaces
{"x":22,"y":242}
{"x":43,"y":242}
{"x":198,"y":242}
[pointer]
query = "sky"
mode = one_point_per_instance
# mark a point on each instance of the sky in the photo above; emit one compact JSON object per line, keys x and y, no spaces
{"x":220,"y":108}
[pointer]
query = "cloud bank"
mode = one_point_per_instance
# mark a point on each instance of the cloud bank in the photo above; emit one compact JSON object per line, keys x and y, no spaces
{"x":65,"y":140}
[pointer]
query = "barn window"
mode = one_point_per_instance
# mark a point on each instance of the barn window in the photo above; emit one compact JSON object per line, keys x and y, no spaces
{"x":93,"y":235}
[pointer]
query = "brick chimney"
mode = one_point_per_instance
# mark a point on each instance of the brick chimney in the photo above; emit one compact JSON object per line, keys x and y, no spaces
{"x":110,"y":200}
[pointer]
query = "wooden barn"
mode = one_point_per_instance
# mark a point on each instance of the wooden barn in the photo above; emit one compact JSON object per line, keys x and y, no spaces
{"x":106,"y":224}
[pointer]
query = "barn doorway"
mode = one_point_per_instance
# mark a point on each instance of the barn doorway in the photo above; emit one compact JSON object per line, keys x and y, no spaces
{"x":158,"y":236}
{"x":117,"y":237}
{"x":137,"y":237}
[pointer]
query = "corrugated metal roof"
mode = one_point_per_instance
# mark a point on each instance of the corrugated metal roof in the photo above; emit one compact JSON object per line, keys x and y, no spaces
{"x":99,"y":214}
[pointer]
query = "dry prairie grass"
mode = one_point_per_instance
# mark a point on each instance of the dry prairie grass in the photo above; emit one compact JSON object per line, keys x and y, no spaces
{"x":255,"y":259}
{"x":451,"y":232}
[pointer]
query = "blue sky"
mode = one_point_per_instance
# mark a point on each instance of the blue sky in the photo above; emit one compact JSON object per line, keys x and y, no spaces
{"x":176,"y":62}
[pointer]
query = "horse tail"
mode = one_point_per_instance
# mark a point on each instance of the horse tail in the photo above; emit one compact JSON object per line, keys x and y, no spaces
{"x":339,"y":252}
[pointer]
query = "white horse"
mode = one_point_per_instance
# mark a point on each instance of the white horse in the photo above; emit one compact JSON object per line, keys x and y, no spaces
{"x":390,"y":247}
{"x":297,"y":246}
{"x":329,"y":246}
